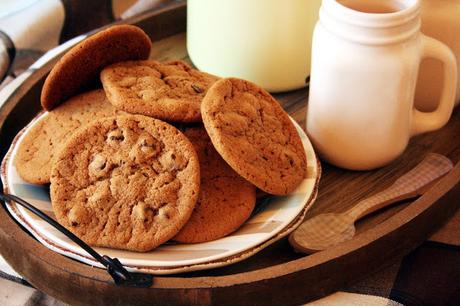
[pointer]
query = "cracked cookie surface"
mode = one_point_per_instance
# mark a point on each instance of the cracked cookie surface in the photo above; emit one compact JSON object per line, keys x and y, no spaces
{"x":254,"y":135}
{"x":226,"y":200}
{"x":127,"y":182}
{"x":80,"y":66}
{"x":170,"y":91}
{"x":42,"y":142}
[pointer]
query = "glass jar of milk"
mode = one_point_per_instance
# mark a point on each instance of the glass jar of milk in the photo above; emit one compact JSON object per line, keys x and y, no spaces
{"x":267,"y":42}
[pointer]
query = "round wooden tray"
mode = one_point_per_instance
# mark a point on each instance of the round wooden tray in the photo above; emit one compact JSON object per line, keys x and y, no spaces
{"x":277,"y":275}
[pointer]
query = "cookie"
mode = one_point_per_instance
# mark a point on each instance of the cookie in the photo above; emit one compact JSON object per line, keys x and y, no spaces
{"x":169,"y":91}
{"x":126,"y":182}
{"x":36,"y":151}
{"x":254,"y":135}
{"x":81,"y":65}
{"x":226,"y":200}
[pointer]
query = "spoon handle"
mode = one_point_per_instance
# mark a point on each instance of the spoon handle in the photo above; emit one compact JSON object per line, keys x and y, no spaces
{"x":411,"y":184}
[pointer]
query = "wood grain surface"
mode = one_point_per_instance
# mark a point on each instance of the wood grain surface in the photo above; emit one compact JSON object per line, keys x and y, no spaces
{"x":277,"y":275}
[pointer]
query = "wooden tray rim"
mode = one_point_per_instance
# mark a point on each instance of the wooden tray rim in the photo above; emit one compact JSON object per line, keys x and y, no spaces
{"x":425,"y":205}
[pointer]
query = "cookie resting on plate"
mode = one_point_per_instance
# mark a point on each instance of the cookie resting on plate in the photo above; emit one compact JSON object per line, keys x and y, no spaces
{"x":79,"y":68}
{"x":254,"y":135}
{"x":226,"y":200}
{"x":35,"y":154}
{"x":168,"y":91}
{"x":127,"y":182}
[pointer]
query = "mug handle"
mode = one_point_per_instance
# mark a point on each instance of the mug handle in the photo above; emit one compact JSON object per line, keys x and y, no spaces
{"x":424,"y":122}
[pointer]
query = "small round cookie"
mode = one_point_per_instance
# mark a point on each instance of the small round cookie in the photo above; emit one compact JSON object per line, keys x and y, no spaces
{"x":36,"y":151}
{"x":126,"y":182}
{"x":254,"y":135}
{"x":226,"y":200}
{"x":169,"y":91}
{"x":81,"y":65}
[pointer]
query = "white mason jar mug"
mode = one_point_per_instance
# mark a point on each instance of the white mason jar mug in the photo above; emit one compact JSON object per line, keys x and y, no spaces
{"x":365,"y":62}
{"x":440,"y":20}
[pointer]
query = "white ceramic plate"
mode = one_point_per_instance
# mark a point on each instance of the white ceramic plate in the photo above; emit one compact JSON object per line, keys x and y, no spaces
{"x":275,"y":218}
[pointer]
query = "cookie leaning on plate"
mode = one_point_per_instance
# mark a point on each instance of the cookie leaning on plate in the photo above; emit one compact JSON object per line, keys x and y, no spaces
{"x":81,"y":65}
{"x":127,"y":182}
{"x":226,"y":200}
{"x":169,"y":91}
{"x":254,"y":135}
{"x":45,"y":138}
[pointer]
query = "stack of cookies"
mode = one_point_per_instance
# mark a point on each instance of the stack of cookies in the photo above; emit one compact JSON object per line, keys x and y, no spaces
{"x":162,"y":152}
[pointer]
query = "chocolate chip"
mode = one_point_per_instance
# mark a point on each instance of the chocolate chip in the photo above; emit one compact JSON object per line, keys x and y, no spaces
{"x":115,"y":136}
{"x":197,"y":89}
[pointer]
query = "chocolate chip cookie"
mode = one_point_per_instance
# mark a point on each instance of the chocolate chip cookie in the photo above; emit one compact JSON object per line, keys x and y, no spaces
{"x":226,"y":200}
{"x":254,"y":135}
{"x":169,"y":91}
{"x":127,"y":182}
{"x":81,"y":65}
{"x":36,"y":151}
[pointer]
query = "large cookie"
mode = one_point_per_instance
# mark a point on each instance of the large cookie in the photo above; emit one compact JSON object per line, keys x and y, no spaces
{"x":128,"y":182}
{"x":254,"y":135}
{"x":226,"y":200}
{"x":35,"y":154}
{"x":81,"y":65}
{"x":169,"y":91}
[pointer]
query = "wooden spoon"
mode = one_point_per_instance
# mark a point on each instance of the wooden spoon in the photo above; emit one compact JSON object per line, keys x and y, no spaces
{"x":327,"y":230}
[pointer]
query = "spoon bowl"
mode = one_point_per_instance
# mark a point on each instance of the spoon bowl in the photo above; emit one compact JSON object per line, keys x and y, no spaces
{"x":324,"y":231}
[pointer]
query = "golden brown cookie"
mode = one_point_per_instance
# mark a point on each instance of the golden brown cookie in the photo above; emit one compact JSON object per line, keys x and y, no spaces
{"x":169,"y":91}
{"x":226,"y":200}
{"x":81,"y":65}
{"x":127,"y":182}
{"x":254,"y":135}
{"x":36,"y":151}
